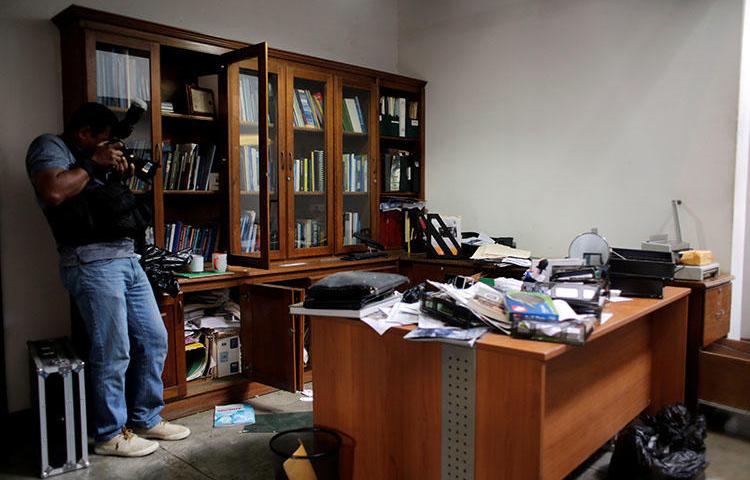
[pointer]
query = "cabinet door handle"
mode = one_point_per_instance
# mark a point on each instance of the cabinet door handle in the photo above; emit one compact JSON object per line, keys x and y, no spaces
{"x":289,"y":167}
{"x":282,"y":164}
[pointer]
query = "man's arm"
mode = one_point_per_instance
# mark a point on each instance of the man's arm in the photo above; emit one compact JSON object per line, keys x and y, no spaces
{"x":55,"y":185}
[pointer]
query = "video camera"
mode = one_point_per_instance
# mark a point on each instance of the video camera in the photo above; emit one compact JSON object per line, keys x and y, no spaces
{"x":145,"y":169}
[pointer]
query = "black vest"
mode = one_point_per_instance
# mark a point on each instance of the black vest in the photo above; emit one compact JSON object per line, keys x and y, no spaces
{"x":102,"y":212}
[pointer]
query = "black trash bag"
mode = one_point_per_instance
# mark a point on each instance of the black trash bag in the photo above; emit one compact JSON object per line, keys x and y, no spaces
{"x":668,"y":446}
{"x":680,"y":465}
{"x":160,"y":264}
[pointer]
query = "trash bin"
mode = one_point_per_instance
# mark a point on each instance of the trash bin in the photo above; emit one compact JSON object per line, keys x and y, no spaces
{"x":306,"y":454}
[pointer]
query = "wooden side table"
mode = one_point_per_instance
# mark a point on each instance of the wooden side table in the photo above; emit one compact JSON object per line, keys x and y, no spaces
{"x":708,"y":321}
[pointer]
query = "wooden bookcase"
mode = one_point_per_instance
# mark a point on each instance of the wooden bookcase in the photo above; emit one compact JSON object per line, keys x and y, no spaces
{"x":113,"y":59}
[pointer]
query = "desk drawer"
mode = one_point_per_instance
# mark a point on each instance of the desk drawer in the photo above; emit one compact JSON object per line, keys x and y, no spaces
{"x":716,"y":313}
{"x":724,"y":373}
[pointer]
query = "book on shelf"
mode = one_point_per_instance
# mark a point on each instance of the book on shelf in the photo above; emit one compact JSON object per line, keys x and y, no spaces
{"x":353,"y":119}
{"x":355,"y":177}
{"x":187,"y":166}
{"x":352,"y":225}
{"x":309,"y":233}
{"x":167,"y":107}
{"x":309,"y":172}
{"x":250,"y":170}
{"x":399,"y":117}
{"x":201,"y":240}
{"x":121,"y":76}
{"x":400,"y":171}
{"x":308,"y":109}
{"x":249,"y":232}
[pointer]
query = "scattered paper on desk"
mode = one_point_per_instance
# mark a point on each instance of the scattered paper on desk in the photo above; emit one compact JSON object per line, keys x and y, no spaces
{"x":605,"y":316}
{"x":619,"y":299}
{"x":428,"y":322}
{"x":496,"y":250}
{"x":449,"y":335}
{"x":564,"y":311}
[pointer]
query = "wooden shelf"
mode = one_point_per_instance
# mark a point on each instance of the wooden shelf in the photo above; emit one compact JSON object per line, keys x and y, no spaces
{"x":399,"y":139}
{"x":308,"y":130}
{"x":309,"y":193}
{"x":255,"y":124}
{"x":255,"y":194}
{"x":357,"y":193}
{"x":355,"y":134}
{"x":191,"y":192}
{"x":399,"y":194}
{"x":185,"y":116}
{"x":204,"y":385}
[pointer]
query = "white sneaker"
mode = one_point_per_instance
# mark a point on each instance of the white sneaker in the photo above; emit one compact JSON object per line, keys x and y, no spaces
{"x":126,"y":444}
{"x":164,"y":431}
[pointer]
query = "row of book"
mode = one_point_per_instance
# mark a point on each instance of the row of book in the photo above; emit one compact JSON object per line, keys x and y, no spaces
{"x":201,"y":240}
{"x":187,"y":166}
{"x":309,"y":233}
{"x":353,"y":118}
{"x":140,"y":148}
{"x":352,"y":225}
{"x":355,"y":172}
{"x":399,"y":117}
{"x":400,"y":171}
{"x":120,"y":77}
{"x":249,"y":232}
{"x":249,"y":105}
{"x":309,"y":173}
{"x":308,"y":109}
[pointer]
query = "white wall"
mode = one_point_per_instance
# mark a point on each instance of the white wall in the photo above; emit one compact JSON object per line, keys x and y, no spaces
{"x":546,"y":118}
{"x":361,"y":32}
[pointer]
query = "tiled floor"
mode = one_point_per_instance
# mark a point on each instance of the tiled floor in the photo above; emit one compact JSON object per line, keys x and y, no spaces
{"x":226,"y":453}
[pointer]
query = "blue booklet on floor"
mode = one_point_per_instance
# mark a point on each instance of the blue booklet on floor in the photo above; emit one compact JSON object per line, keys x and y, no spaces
{"x":235,"y":414}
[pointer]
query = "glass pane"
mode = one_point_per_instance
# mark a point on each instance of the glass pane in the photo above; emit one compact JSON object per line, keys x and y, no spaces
{"x":249,"y":162}
{"x":356,"y":164}
{"x":122,"y":75}
{"x":309,"y":167}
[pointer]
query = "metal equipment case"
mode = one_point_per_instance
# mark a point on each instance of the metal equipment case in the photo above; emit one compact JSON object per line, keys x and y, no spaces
{"x":58,"y":393}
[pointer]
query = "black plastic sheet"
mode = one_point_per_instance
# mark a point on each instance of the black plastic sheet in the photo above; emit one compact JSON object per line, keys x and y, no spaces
{"x":669,"y":446}
{"x":159,"y":265}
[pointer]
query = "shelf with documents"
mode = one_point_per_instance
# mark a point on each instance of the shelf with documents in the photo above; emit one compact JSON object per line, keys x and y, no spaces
{"x":227,"y":177}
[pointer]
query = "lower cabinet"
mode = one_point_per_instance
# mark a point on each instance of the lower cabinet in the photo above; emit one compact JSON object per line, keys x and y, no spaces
{"x":173,"y":376}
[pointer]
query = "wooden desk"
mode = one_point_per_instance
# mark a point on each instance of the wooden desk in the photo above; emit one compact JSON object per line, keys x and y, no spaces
{"x":540,"y":409}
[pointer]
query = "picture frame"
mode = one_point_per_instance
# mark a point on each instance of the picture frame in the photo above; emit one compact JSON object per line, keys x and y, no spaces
{"x":200,"y":101}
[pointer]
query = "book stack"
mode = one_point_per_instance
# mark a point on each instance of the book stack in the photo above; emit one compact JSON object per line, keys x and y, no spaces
{"x":167,"y":107}
{"x":249,"y":99}
{"x":352,"y":225}
{"x":353,"y":119}
{"x":249,"y":232}
{"x":400,"y":171}
{"x":188,"y":166}
{"x":308,"y":109}
{"x":399,"y":117}
{"x":249,"y":164}
{"x":309,"y":233}
{"x":355,"y":172}
{"x":309,"y":173}
{"x":201,"y":240}
{"x":120,"y":77}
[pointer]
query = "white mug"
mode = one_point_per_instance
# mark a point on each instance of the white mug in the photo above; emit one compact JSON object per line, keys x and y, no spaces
{"x":196,"y":263}
{"x":219,"y":262}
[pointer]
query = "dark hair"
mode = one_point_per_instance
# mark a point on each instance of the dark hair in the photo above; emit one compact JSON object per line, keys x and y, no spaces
{"x":93,"y":115}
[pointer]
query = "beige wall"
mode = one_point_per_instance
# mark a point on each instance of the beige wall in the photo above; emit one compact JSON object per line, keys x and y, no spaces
{"x":546,"y":118}
{"x":35,"y":306}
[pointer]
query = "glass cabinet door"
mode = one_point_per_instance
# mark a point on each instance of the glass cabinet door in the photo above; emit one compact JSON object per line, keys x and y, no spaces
{"x":355,"y":166}
{"x":253,"y":172}
{"x":124,"y":76}
{"x":310,"y":197}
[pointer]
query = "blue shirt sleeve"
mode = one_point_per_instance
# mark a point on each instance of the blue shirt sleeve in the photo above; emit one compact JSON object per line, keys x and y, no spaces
{"x":47,"y":152}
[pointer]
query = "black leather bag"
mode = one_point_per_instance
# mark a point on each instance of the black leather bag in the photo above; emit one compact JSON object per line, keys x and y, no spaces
{"x":352,"y":290}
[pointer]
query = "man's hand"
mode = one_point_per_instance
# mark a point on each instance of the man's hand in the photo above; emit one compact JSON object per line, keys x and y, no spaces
{"x":110,"y":155}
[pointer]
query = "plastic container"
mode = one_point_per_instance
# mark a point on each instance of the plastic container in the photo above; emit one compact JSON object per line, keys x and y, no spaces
{"x":321,"y":447}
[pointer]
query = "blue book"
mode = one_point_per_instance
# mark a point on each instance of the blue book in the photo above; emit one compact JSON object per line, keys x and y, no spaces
{"x":234,"y":414}
{"x":530,"y":306}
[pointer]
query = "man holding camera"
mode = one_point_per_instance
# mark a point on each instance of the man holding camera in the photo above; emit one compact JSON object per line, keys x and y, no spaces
{"x":95,"y":219}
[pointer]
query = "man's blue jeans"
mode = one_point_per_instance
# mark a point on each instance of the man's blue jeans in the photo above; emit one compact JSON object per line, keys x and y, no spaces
{"x":128,"y":343}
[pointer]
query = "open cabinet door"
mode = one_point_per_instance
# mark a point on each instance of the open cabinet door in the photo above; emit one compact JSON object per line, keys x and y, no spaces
{"x":244,"y":92}
{"x":270,"y":335}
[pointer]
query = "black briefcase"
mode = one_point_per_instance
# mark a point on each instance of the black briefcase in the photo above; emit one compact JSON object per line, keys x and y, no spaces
{"x":59,"y":401}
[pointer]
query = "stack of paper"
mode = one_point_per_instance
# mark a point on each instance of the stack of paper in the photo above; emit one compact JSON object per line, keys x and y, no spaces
{"x":497,"y":251}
